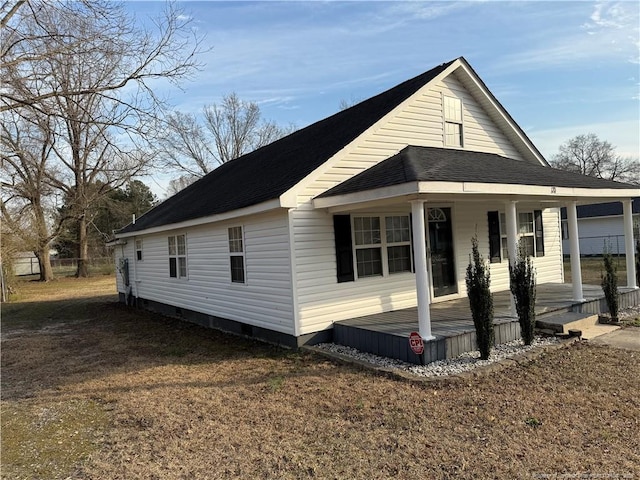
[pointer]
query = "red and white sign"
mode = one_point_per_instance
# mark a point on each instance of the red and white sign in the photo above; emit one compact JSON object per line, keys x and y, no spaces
{"x":415,"y":342}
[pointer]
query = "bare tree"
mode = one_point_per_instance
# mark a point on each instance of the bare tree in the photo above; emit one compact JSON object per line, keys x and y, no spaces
{"x":89,"y":68}
{"x":194,"y":146}
{"x":344,"y":104}
{"x":34,"y":31}
{"x":588,"y":155}
{"x":180,"y":183}
{"x":26,"y":193}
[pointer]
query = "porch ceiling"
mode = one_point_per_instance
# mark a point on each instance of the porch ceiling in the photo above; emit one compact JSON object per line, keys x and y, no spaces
{"x":441,"y":174}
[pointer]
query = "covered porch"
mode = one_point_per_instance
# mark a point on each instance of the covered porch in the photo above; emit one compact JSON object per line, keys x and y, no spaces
{"x":386,"y":334}
{"x":501,"y":201}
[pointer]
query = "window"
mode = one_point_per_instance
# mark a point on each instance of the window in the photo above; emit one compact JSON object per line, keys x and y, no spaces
{"x":378,"y":254}
{"x":398,"y":243}
{"x":529,"y":232}
{"x":368,"y":246}
{"x":236,"y":255}
{"x":503,"y":237}
{"x":495,"y":240}
{"x":178,"y":256}
{"x":344,"y":248}
{"x":139,"y":250}
{"x":452,"y":108}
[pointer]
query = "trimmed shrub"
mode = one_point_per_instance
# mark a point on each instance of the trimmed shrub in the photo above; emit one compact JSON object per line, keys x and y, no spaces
{"x":609,"y":284}
{"x":480,"y":300}
{"x":522,"y":277}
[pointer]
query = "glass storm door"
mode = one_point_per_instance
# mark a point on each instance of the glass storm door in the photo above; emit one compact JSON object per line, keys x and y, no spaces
{"x":443,"y":273}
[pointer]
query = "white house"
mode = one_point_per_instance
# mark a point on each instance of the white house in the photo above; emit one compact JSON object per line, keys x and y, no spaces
{"x":601,"y":226}
{"x":369,"y":210}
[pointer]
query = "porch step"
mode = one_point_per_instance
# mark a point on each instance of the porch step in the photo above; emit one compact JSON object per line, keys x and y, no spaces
{"x":563,"y":322}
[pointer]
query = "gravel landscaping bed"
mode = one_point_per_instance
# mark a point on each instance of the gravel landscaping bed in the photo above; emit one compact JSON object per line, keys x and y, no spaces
{"x":630,"y":313}
{"x":464,"y":363}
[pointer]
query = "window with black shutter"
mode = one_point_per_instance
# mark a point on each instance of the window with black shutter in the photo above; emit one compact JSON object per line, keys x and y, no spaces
{"x":494,"y":236}
{"x":539,"y":233}
{"x":344,"y":252}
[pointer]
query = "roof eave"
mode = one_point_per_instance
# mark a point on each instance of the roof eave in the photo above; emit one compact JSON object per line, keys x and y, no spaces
{"x":504,"y":114}
{"x":263,"y":207}
{"x":473,"y":189}
{"x":290,"y":196}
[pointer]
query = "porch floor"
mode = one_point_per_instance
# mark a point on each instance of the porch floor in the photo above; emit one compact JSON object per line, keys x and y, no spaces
{"x":387,"y":333}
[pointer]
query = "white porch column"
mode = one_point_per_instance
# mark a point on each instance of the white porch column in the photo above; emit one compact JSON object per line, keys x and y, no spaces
{"x":574,"y":244}
{"x":627,"y":213}
{"x":512,"y":242}
{"x":420,"y":261}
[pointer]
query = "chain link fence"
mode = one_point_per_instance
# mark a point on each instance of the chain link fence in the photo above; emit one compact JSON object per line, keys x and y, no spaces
{"x":68,"y":266}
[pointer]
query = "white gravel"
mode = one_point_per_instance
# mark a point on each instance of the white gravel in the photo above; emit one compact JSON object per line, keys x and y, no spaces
{"x":463,"y":363}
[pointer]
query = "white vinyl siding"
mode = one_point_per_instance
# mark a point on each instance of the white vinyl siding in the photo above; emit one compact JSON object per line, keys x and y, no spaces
{"x":264,"y":301}
{"x":418,"y":122}
{"x":322,"y":300}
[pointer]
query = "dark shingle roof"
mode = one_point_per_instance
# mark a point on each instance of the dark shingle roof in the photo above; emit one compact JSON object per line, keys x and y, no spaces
{"x":416,"y":164}
{"x":270,"y":171}
{"x":602,"y":209}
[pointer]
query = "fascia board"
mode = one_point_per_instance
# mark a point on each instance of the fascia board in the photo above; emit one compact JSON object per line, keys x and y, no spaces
{"x":241,"y":212}
{"x":471,"y":188}
{"x":506,"y":117}
{"x":289,"y":198}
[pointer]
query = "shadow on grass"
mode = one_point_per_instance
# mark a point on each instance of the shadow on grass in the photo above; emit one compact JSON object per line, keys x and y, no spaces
{"x":49,"y":345}
{"x":43,"y":314}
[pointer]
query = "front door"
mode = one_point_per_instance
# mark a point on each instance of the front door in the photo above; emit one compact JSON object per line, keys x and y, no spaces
{"x":443,"y":272}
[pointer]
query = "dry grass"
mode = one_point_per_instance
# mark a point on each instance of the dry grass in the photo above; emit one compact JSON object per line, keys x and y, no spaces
{"x":592,"y":269}
{"x":155,"y":398}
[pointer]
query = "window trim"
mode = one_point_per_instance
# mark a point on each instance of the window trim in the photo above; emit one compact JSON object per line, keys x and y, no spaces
{"x":446,"y":120}
{"x":139,"y":249}
{"x":538,"y":250}
{"x":177,"y":256}
{"x":383,"y":246}
{"x":237,"y":254}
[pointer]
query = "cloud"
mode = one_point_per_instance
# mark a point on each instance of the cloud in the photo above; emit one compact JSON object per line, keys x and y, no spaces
{"x":610,"y":32}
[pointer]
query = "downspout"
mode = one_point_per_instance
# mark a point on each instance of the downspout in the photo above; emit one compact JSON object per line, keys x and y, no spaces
{"x":293,"y":273}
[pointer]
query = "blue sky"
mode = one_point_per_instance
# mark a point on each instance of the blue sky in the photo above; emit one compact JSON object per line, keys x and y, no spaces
{"x":559,"y":68}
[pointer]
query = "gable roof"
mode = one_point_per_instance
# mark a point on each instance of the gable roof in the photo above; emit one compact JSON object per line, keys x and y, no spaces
{"x":603,"y":209}
{"x":268,"y":172}
{"x":424,"y":164}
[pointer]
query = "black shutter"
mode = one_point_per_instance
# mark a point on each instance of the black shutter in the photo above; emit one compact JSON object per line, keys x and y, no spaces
{"x":344,"y":251}
{"x":537,"y":228}
{"x":494,"y":237}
